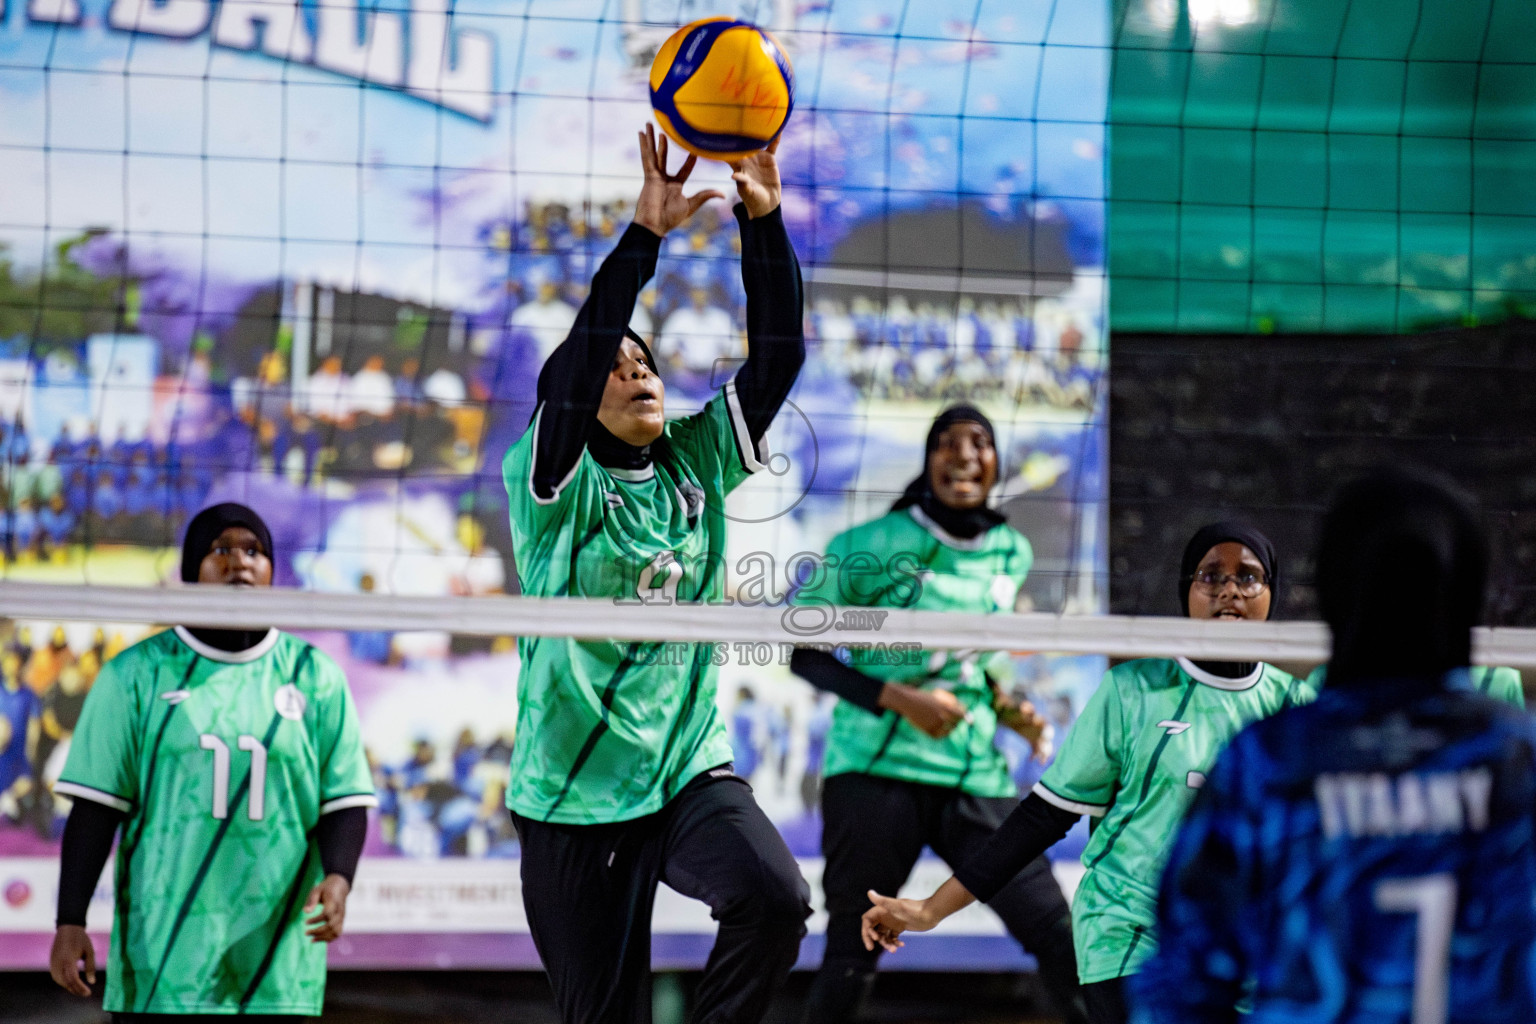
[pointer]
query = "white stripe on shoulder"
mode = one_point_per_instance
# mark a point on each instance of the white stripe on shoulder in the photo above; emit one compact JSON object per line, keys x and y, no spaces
{"x":1075,"y":806}
{"x":533,"y":462}
{"x":1200,"y":675}
{"x":74,"y":789}
{"x":754,"y":457}
{"x":341,"y":803}
{"x":246,"y":656}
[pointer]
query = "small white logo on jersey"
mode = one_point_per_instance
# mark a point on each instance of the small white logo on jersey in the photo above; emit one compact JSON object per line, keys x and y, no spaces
{"x":1194,"y":780}
{"x":290,"y":703}
{"x":692,"y":499}
{"x":1004,"y":592}
{"x":175,"y":696}
{"x":614,"y":499}
{"x":1174,"y":728}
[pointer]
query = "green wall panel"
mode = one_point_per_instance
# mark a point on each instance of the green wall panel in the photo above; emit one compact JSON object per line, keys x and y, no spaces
{"x":1313,"y":165}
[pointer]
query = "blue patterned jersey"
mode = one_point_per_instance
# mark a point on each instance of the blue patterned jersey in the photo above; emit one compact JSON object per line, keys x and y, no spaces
{"x":1367,"y":858}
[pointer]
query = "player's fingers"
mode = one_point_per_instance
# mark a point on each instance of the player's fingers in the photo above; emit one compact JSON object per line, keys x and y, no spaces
{"x":68,"y":977}
{"x":694,"y":202}
{"x":773,"y":147}
{"x":661,"y":154}
{"x":314,"y":897}
{"x":647,"y":150}
{"x":686,"y":169}
{"x":90,"y":964}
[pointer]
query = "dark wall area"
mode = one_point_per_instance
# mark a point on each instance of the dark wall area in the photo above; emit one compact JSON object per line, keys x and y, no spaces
{"x":1265,"y":427}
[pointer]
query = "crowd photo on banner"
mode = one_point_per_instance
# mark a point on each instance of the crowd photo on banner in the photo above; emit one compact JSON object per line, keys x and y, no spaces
{"x":355,"y":366}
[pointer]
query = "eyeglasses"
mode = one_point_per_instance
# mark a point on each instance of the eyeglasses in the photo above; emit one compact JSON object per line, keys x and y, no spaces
{"x":1248,"y":584}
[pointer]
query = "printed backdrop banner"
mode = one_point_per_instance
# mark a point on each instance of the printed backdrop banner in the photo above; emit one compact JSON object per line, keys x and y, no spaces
{"x":311,"y":257}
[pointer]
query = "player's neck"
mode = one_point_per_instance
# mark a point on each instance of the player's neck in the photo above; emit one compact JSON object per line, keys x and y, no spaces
{"x":611,"y":452}
{"x":231,"y":640}
{"x":965,"y":523}
{"x":1227,"y":669}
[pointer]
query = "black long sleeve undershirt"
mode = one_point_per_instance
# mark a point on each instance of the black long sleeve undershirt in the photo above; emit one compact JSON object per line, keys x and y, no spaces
{"x":1032,"y":828}
{"x":770,"y":273}
{"x":87,"y":843}
{"x":89,"y":832}
{"x":340,"y":836}
{"x":572,"y":380}
{"x":825,"y":672}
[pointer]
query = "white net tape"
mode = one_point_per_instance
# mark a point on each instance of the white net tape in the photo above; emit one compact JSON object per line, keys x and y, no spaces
{"x":1112,"y":635}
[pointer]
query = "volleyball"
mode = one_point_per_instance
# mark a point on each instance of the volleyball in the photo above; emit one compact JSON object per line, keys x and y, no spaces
{"x":722,"y":88}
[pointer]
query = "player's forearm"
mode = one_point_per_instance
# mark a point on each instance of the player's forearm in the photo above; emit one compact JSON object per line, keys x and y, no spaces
{"x":86,"y":845}
{"x":572,"y":379}
{"x":948,"y":899}
{"x":825,"y":672}
{"x":770,"y":272}
{"x":340,"y":836}
{"x":1034,"y":827}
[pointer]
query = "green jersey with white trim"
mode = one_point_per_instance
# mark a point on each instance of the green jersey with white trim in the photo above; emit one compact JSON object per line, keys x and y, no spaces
{"x":1499,"y":683}
{"x":611,"y":730}
{"x":1133,"y":759}
{"x":906,"y":560}
{"x":224,"y":763}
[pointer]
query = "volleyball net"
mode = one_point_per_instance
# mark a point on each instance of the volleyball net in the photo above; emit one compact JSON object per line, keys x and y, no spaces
{"x":311,"y":256}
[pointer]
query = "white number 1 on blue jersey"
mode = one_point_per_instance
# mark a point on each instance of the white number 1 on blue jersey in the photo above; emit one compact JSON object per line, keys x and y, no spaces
{"x":1433,"y":899}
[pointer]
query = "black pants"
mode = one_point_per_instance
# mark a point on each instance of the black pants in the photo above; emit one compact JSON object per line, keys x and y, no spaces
{"x":1106,"y":1001}
{"x":589,"y":889}
{"x":873,"y":830}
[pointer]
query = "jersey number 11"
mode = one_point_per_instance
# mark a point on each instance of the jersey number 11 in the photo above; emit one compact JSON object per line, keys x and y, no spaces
{"x":256,"y":804}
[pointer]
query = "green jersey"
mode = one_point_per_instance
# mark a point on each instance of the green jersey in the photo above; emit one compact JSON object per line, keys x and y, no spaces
{"x":1133,"y":759}
{"x":1499,"y":683}
{"x":223,"y":762}
{"x":906,"y":560}
{"x":611,"y":730}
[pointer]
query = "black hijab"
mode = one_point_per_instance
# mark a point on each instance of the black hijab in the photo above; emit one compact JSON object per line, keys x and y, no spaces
{"x":964,"y":523}
{"x":1402,"y":570}
{"x":607,"y":448}
{"x":202,"y":531}
{"x":1199,"y":546}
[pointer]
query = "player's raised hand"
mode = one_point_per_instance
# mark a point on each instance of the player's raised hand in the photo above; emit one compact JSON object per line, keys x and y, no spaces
{"x":662,"y":205}
{"x":757,"y":180}
{"x":72,"y":947}
{"x":328,"y":900}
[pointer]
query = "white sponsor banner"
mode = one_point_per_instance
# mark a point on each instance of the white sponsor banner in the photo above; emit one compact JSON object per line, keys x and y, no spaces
{"x":466,"y":896}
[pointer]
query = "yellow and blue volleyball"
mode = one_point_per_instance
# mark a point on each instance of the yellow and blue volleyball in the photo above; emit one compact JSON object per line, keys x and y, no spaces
{"x":722,"y":88}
